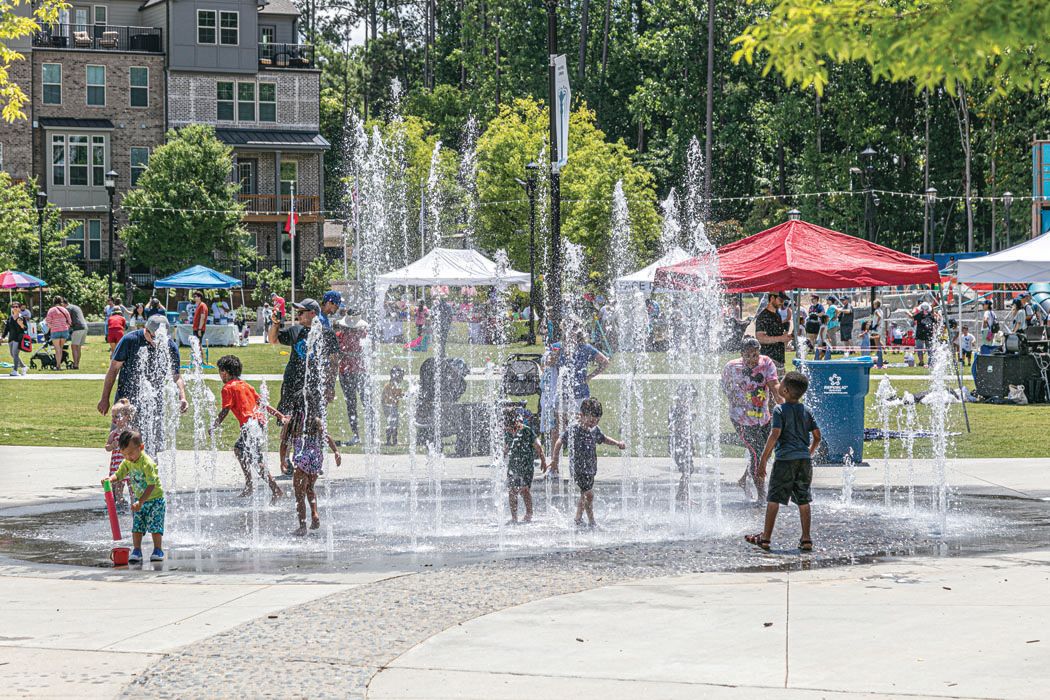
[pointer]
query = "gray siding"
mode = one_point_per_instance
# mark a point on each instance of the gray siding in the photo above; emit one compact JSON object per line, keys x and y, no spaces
{"x":22,"y":43}
{"x":124,"y":13}
{"x":156,"y":16}
{"x":187,"y":54}
{"x":284,"y":26}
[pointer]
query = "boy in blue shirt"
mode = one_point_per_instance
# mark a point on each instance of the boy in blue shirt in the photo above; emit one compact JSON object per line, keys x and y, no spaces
{"x":793,"y":467}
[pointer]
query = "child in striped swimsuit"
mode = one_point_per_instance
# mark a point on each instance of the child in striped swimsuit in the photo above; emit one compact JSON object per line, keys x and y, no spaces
{"x":123,"y":413}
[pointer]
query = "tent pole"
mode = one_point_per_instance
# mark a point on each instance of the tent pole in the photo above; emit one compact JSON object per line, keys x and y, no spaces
{"x":958,"y":378}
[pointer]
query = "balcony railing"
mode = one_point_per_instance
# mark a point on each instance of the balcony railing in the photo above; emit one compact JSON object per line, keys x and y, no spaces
{"x":286,"y":55}
{"x":99,"y":37}
{"x":279,"y":203}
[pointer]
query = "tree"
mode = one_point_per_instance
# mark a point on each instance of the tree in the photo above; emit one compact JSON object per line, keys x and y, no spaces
{"x":21,"y":242}
{"x":19,"y":19}
{"x":932,"y":43}
{"x":184,"y":210}
{"x":515,"y":138}
{"x":319,"y":275}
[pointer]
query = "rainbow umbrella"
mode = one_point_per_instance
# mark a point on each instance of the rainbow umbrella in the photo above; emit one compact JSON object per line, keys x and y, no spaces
{"x":13,"y":279}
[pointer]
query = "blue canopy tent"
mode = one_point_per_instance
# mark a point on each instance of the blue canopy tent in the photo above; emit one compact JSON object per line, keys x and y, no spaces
{"x":198,"y":277}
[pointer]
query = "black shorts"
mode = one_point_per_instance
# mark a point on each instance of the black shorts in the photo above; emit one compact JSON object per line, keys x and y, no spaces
{"x":519,"y":479}
{"x":790,"y":480}
{"x":247,"y":445}
{"x":584,"y":481}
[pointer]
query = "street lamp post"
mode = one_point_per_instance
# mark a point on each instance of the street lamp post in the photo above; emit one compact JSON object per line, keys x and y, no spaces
{"x":41,"y":205}
{"x":111,"y":188}
{"x":867,"y":159}
{"x":530,"y":188}
{"x":1008,"y":200}
{"x":553,"y":279}
{"x":930,"y":200}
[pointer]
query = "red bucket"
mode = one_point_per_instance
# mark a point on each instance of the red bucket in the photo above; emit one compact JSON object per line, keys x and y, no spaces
{"x":119,"y":556}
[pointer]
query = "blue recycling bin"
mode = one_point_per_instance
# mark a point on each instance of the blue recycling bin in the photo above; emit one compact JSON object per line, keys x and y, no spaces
{"x":836,"y":397}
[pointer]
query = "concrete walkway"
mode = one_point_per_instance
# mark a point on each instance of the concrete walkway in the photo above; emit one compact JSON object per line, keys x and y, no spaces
{"x":919,"y":627}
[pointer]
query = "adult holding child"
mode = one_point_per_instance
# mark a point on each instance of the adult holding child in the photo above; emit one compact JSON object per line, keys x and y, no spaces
{"x":309,"y":377}
{"x":137,"y":368}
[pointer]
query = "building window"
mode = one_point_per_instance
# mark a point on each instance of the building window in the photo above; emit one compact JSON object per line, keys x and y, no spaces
{"x":138,"y":78}
{"x":246,"y":176}
{"x":101,"y":14}
{"x":229,"y":31}
{"x":94,"y":239}
{"x":98,"y":161}
{"x":205,"y":26}
{"x":58,"y":160}
{"x":52,"y":82}
{"x":245,"y":102}
{"x":139,"y":161}
{"x":96,"y":86}
{"x":267,"y":102}
{"x":289,"y":174}
{"x":224,"y":101}
{"x":267,"y":34}
{"x":76,"y":239}
{"x":78,"y":160}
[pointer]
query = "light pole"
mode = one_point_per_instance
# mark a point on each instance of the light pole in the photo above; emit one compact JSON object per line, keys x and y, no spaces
{"x":530,"y":189}
{"x":930,"y":225}
{"x":554,"y":273}
{"x":41,"y":205}
{"x":867,"y":159}
{"x":1008,"y":200}
{"x":111,"y":188}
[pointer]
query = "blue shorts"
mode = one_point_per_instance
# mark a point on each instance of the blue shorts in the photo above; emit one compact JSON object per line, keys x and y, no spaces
{"x":60,"y":335}
{"x":150,"y":518}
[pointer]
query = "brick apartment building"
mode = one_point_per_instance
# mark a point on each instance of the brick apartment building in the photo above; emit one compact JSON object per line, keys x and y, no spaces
{"x":108,"y":80}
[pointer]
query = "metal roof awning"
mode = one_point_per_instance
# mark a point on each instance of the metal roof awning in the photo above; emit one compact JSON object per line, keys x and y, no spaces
{"x":70,"y":123}
{"x":270,"y":140}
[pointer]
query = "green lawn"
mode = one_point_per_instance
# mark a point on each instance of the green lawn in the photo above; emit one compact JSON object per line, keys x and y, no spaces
{"x":63,"y":412}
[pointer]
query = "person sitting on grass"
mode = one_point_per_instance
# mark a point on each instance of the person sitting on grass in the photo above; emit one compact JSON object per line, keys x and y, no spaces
{"x":520,"y":444}
{"x":308,"y":458}
{"x":583,"y":438}
{"x":793,"y":468}
{"x":123,"y":414}
{"x":149,"y":504}
{"x":241,"y":398}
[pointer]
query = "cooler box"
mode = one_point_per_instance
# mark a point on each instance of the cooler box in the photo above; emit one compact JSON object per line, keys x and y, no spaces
{"x":836,"y":397}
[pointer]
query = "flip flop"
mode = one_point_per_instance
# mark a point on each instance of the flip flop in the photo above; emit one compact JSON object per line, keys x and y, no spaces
{"x":757,"y":541}
{"x":805,"y":545}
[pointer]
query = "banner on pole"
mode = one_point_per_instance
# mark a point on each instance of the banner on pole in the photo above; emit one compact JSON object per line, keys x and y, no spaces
{"x":562,"y":101}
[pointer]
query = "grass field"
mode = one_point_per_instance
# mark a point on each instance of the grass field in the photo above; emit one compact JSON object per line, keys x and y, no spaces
{"x":62,"y":412}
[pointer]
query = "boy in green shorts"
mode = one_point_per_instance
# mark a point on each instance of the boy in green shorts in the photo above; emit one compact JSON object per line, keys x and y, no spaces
{"x":793,"y":468}
{"x":148,"y":507}
{"x":520,"y":445}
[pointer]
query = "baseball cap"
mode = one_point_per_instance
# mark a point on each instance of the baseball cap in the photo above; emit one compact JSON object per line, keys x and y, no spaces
{"x":308,"y":305}
{"x":333,"y":297}
{"x":154,"y":322}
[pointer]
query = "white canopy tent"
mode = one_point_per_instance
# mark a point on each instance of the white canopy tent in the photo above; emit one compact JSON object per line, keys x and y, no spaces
{"x":1025,"y":262}
{"x":643,"y":279}
{"x":452,"y":268}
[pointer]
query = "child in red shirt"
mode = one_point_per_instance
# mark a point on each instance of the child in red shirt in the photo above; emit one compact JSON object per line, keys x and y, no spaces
{"x":239,"y":397}
{"x":116,"y":324}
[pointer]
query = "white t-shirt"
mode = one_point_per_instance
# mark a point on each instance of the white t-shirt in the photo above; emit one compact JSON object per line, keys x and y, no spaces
{"x":967,"y":342}
{"x":876,"y":321}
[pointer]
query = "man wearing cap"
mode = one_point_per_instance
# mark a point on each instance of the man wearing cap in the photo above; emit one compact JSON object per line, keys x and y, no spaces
{"x":352,"y":368}
{"x":1033,"y":313}
{"x":925,"y":328}
{"x":330,"y":303}
{"x":140,"y":377}
{"x":309,"y":381}
{"x":771,"y":330}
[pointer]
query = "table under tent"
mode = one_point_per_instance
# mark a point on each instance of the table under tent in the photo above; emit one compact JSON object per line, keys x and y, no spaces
{"x":1024,"y":359}
{"x":201,"y":277}
{"x":440,"y":392}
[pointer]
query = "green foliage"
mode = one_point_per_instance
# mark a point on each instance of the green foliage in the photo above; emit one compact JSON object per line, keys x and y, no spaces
{"x":931,"y":43}
{"x":184,"y":210}
{"x":319,"y":275}
{"x":19,"y":19}
{"x":515,"y":138}
{"x":271,"y":280}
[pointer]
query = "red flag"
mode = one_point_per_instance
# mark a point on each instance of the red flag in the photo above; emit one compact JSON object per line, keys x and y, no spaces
{"x":291,"y":223}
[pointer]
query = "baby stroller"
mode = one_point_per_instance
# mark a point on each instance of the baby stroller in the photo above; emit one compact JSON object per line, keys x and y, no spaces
{"x":45,"y":356}
{"x":521,"y":374}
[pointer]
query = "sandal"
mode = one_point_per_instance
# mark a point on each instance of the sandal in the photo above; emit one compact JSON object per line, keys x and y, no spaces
{"x":805,"y":545}
{"x":757,"y":541}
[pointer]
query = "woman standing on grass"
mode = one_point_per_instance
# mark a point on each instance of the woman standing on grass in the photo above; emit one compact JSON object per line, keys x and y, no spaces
{"x":14,"y":331}
{"x":59,"y":323}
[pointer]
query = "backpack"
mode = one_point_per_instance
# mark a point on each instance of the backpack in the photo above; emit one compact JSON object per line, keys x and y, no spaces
{"x":813,"y":322}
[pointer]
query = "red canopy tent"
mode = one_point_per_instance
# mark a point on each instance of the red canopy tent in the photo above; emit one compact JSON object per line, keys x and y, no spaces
{"x":799,"y":255}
